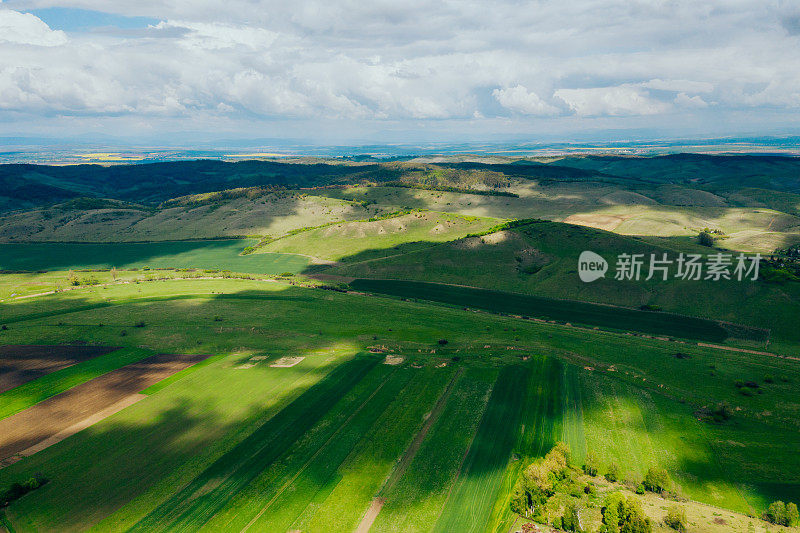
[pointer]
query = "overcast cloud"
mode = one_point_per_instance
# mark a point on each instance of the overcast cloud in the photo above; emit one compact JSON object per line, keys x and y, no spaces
{"x":520,"y":67}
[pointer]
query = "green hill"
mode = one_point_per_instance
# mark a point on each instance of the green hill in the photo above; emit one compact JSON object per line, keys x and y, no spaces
{"x":541,"y":259}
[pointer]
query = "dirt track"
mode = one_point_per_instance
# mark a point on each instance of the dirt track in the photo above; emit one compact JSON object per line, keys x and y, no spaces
{"x":21,"y":363}
{"x":46,"y":419}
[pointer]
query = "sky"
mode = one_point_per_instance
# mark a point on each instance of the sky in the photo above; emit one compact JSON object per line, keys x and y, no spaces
{"x":350,"y":71}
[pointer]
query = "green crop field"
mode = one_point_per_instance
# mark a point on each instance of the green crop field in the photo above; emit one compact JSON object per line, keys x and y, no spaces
{"x":219,"y":255}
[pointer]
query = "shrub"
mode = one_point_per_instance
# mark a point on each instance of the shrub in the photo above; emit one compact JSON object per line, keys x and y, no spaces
{"x":722,"y":412}
{"x":4,"y":327}
{"x":442,"y":342}
{"x":570,"y":521}
{"x":704,"y":238}
{"x":676,"y":518}
{"x":640,"y":488}
{"x":217,"y":318}
{"x":591,"y":466}
{"x":782,"y":514}
{"x":622,"y":514}
{"x":123,"y":333}
{"x":769,"y":379}
{"x":792,"y":516}
{"x":776,"y":513}
{"x":612,"y":473}
{"x":656,"y":480}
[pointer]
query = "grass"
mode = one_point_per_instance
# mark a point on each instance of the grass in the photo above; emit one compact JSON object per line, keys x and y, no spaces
{"x":471,"y":498}
{"x":541,"y":260}
{"x":126,"y":465}
{"x":30,"y":393}
{"x":117,"y":472}
{"x":549,"y":308}
{"x":380,"y":237}
{"x":417,"y":499}
{"x":164,"y":383}
{"x":372,"y":460}
{"x":196,"y":503}
{"x":211,"y":254}
{"x":279,"y":495}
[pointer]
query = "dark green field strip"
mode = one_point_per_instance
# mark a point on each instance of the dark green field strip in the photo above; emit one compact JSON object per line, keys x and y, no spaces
{"x":472,"y":499}
{"x":197,"y":502}
{"x":618,"y":318}
{"x":30,"y":393}
{"x":415,"y":502}
{"x":307,"y":467}
{"x":318,"y":477}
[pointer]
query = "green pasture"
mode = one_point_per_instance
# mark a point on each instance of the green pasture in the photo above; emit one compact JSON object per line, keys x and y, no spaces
{"x":227,"y":444}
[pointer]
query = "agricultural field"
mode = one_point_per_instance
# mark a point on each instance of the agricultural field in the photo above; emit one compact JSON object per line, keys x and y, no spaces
{"x":382,"y":347}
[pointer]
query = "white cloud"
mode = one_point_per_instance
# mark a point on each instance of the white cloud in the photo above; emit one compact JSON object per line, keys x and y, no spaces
{"x":684,"y":86}
{"x":684,"y":100}
{"x":24,"y":28}
{"x":213,"y":36}
{"x":615,"y":101}
{"x":520,"y":100}
{"x":404,"y":63}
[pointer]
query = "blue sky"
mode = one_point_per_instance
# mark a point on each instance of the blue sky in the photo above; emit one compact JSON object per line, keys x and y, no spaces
{"x":386,"y":71}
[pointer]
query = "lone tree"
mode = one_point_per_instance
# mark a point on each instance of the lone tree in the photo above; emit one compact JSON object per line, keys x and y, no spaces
{"x":656,"y":480}
{"x":612,"y":473}
{"x":704,"y":238}
{"x":591,"y":466}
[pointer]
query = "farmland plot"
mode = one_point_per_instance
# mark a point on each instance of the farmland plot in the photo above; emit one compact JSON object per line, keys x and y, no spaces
{"x":470,"y":502}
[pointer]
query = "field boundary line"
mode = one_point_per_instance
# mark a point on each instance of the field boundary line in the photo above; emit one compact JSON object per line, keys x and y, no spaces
{"x":73,"y":429}
{"x":413,"y":447}
{"x":410,"y":452}
{"x":319,"y":451}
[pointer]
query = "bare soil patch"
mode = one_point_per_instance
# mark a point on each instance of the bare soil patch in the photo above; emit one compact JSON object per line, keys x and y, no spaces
{"x":46,"y":419}
{"x":393,"y":360}
{"x":22,"y":363}
{"x":286,"y":362}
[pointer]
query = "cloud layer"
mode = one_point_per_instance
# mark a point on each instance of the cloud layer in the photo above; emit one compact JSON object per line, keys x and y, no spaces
{"x":525,"y":64}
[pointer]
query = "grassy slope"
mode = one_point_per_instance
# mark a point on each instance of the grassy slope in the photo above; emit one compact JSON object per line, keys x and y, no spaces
{"x":752,"y":222}
{"x":176,"y":433}
{"x":272,"y":214}
{"x":344,"y":240}
{"x":554,"y":247}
